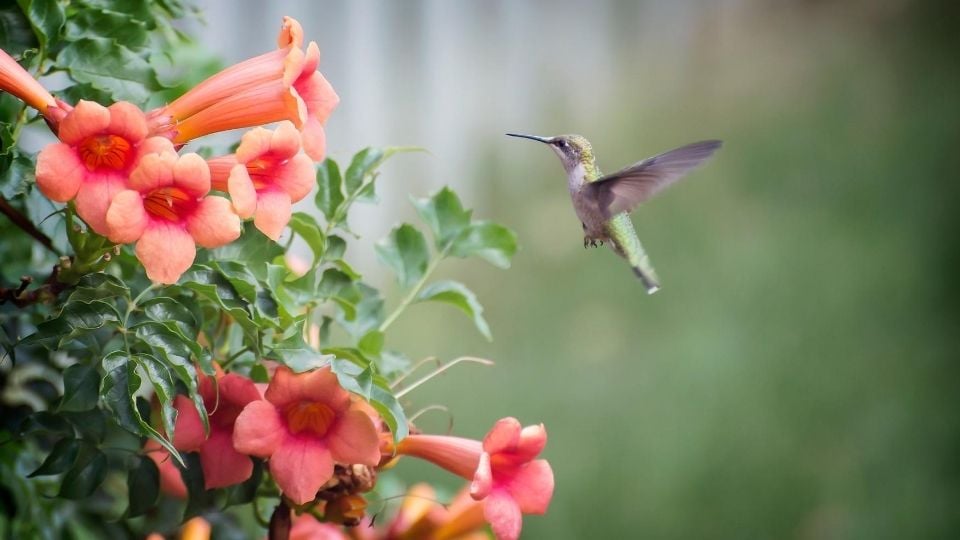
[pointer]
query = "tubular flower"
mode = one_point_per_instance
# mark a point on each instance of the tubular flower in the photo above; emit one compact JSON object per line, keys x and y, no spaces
{"x":422,"y":516}
{"x":317,"y":93}
{"x":265,"y":176}
{"x":504,"y":473}
{"x":99,"y":147}
{"x":306,"y":423}
{"x":15,"y":80}
{"x":167,"y":213}
{"x":254,"y":92}
{"x":222,"y":465}
{"x":307,"y":527}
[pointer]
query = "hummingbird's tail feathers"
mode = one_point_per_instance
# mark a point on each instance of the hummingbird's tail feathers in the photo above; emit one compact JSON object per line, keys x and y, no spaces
{"x":649,"y":281}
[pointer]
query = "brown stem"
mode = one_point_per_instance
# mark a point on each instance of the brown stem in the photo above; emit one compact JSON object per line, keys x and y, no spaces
{"x":280,"y":522}
{"x":46,"y":292}
{"x":21,"y":221}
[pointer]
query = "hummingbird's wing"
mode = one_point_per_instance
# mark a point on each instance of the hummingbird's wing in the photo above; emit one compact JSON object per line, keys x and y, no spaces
{"x":623,"y":190}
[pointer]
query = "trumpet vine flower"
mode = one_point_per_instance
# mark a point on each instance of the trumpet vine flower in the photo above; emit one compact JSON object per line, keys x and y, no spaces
{"x":317,"y":93}
{"x":99,"y":147}
{"x":504,"y":472}
{"x":222,"y":465}
{"x":171,"y":482}
{"x":17,"y":81}
{"x":265,"y":176}
{"x":167,"y":212}
{"x":306,"y":422}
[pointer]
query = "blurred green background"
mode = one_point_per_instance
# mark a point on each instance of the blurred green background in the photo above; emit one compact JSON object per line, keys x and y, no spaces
{"x":797,"y":375}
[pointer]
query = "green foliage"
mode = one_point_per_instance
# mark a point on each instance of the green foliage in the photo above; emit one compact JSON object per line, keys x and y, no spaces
{"x":113,"y":351}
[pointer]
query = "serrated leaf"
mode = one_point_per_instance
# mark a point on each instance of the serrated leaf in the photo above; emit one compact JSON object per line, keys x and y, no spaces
{"x":61,"y":457}
{"x":16,"y":35}
{"x":175,"y":350}
{"x":405,"y":251}
{"x":86,"y":475}
{"x":74,"y":320}
{"x":445,"y":216}
{"x":368,"y":307}
{"x":459,"y":296}
{"x":253,"y":250}
{"x":97,"y":286}
{"x":330,"y":193}
{"x":162,"y":382}
{"x":166,"y":310}
{"x":143,"y":486}
{"x":211,"y":284}
{"x":371,"y":343}
{"x":490,"y":241}
{"x":46,"y":17}
{"x":117,"y":392}
{"x":80,"y":388}
{"x":308,"y":229}
{"x":353,"y":378}
{"x":336,"y":247}
{"x":110,"y":67}
{"x":118,"y":26}
{"x":295,"y":353}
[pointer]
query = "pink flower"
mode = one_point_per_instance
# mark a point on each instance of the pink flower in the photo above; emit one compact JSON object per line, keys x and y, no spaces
{"x":254,"y":92}
{"x":313,"y":88}
{"x":167,"y":213}
{"x":222,"y":465}
{"x":306,"y":423}
{"x":504,"y":473}
{"x":98,"y":149}
{"x":171,"y":482}
{"x":265,"y":176}
{"x":307,"y":527}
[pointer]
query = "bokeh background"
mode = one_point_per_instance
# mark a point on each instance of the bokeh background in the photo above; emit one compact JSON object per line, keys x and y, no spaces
{"x":797,"y":376}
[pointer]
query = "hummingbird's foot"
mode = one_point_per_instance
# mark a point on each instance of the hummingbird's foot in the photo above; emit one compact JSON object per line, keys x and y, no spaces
{"x":586,"y":242}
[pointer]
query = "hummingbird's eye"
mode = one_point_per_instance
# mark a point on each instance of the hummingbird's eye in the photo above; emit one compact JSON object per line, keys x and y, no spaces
{"x":562,"y":143}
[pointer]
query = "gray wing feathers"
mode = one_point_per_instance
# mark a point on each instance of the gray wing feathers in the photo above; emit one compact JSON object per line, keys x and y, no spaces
{"x":623,"y":190}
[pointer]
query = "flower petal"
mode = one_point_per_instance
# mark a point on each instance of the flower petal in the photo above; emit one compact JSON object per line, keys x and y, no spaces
{"x":284,"y":141}
{"x":188,"y":432}
{"x":274,"y":209}
{"x":222,"y":465}
{"x":503,"y":436}
{"x":126,"y":217}
{"x":127,"y":121}
{"x":236,"y":392}
{"x":94,"y":198}
{"x":532,"y":487}
{"x":314,"y":139}
{"x":214,"y":223}
{"x":503,"y":515}
{"x":319,"y":385}
{"x":155,"y":145}
{"x":153,"y":171}
{"x":482,"y":482}
{"x":220,"y":168}
{"x":171,"y":482}
{"x":242,"y":193}
{"x":59,"y":172}
{"x":297,"y":177}
{"x":253,"y":144}
{"x":532,"y":441}
{"x":354,"y":439}
{"x":166,"y":251}
{"x":318,"y":95}
{"x":191,"y":174}
{"x":300,"y":466}
{"x":259,"y":429}
{"x":87,"y":118}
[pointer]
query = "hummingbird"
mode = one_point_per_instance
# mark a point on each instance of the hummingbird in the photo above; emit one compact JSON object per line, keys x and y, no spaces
{"x":603,"y":202}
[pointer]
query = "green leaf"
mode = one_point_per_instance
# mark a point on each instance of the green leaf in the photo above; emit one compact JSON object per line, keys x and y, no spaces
{"x":80,"y":388}
{"x":368,"y":311}
{"x":329,"y":188}
{"x":74,"y":320}
{"x":143,"y":486}
{"x":163,"y":387}
{"x":97,"y":286}
{"x":353,"y":378}
{"x":118,"y":26}
{"x":458,"y":295}
{"x":117,"y":392}
{"x":60,"y":459}
{"x":445,"y":216}
{"x":253,"y":250}
{"x":295,"y":353}
{"x":336,"y":247}
{"x":166,"y":310}
{"x":16,"y":35}
{"x":490,"y":241}
{"x":371,"y":344}
{"x":87,"y":473}
{"x":308,"y":229}
{"x":405,"y":251}
{"x":174,"y":350}
{"x":109,"y":67}
{"x":46,"y":17}
{"x":245,"y":492}
{"x":199,"y":498}
{"x":214,"y":286}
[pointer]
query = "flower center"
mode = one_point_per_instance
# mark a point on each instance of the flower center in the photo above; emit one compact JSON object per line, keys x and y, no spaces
{"x":105,"y":152}
{"x":169,"y":203}
{"x":262,"y":172}
{"x":310,"y":416}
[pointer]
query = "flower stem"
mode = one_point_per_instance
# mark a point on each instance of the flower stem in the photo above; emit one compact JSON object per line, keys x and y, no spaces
{"x":26,"y":225}
{"x":412,"y":295}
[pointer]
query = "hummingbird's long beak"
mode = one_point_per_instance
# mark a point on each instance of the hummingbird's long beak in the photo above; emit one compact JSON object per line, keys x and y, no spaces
{"x":531,"y":137}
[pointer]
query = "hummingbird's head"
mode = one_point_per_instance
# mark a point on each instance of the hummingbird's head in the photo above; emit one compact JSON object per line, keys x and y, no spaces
{"x":572,"y":150}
